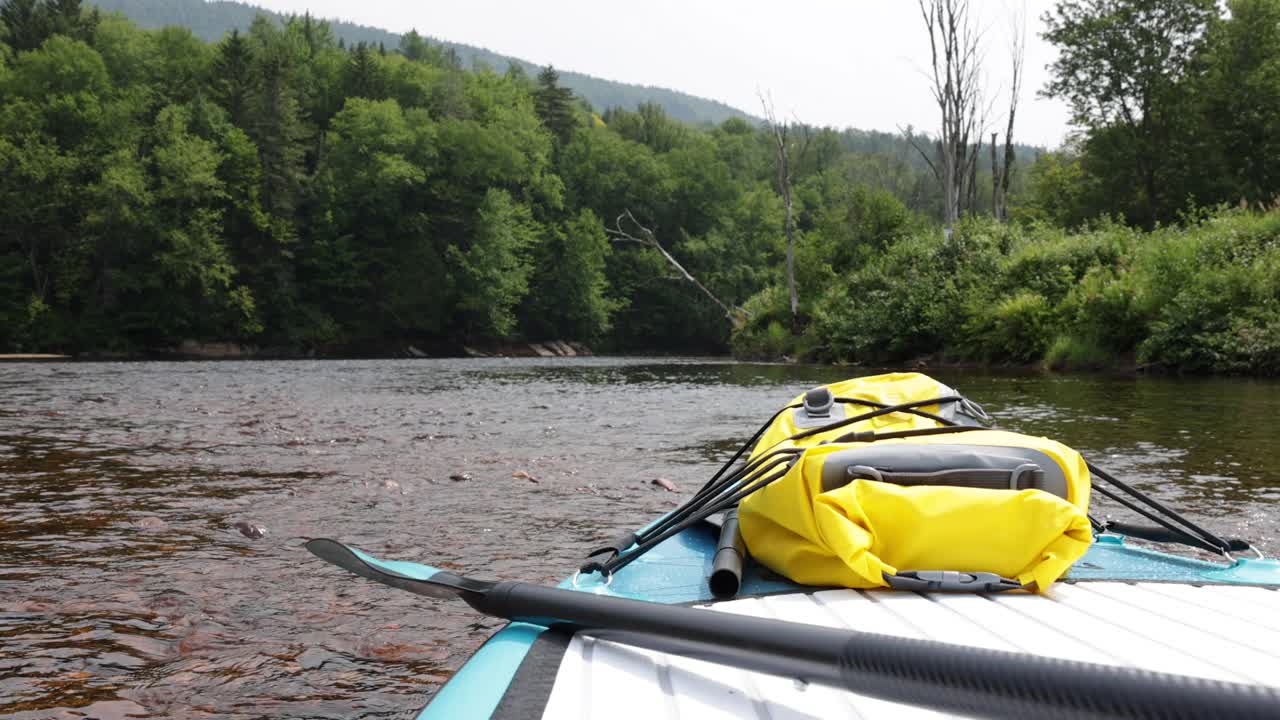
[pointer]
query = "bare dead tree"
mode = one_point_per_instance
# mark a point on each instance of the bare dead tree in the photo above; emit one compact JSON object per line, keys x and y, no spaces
{"x":781,"y":132}
{"x":642,"y":235}
{"x":977,"y":129}
{"x":908,"y":134}
{"x":954,"y":74}
{"x":1018,"y":51}
{"x":972,"y":186}
{"x":995,"y":176}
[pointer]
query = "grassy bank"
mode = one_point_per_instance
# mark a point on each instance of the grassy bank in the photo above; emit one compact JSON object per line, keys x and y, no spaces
{"x":1203,"y":297}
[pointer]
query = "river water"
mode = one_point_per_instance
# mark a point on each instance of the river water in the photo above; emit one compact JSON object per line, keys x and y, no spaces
{"x":127,"y":589}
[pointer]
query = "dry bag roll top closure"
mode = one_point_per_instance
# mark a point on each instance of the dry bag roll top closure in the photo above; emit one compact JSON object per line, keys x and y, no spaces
{"x":899,"y":485}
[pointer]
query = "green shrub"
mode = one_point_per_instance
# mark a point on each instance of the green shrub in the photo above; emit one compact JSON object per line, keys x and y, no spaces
{"x":1204,"y":297}
{"x":1052,"y":263}
{"x":1101,"y":310}
{"x":1068,"y":352}
{"x":1017,"y":328}
{"x":1225,"y":319}
{"x":888,"y":312}
{"x":765,"y":335}
{"x":1210,"y":294}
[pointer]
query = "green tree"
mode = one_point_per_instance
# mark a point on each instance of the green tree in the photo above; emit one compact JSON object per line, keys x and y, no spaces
{"x":570,"y":290}
{"x":67,"y":17}
{"x":500,"y":144}
{"x":54,"y":107}
{"x":415,"y":47}
{"x":38,"y":184}
{"x":180,"y":66}
{"x":410,"y":83}
{"x":1241,"y":98}
{"x":492,"y":275}
{"x":234,"y":82}
{"x":608,"y":174}
{"x":275,"y":123}
{"x":649,"y":125}
{"x":316,"y":35}
{"x":1061,"y":192}
{"x":25,"y":24}
{"x":264,"y":266}
{"x":127,"y":53}
{"x":275,"y":188}
{"x":194,"y":289}
{"x":363,"y":77}
{"x":1121,"y":65}
{"x":373,"y":180}
{"x":555,"y":105}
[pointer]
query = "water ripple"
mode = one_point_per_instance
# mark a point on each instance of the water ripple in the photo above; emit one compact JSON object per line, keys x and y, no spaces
{"x":132,"y":583}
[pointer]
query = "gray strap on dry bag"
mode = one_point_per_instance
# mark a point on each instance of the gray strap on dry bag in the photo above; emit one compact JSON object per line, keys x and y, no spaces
{"x":1023,"y":477}
{"x":947,"y":464}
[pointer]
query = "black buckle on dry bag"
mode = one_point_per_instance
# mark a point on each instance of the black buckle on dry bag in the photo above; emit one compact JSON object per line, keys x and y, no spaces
{"x":950,"y":581}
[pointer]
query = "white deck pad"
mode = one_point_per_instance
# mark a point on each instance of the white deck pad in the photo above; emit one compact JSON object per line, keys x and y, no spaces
{"x":1225,"y":633}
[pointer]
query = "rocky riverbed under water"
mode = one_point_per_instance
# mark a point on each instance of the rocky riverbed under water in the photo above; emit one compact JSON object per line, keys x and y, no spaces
{"x":152,"y":515}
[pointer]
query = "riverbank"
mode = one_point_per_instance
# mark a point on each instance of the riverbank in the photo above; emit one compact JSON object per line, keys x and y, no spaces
{"x":1199,"y":298}
{"x":232,"y":352}
{"x":1202,"y":298}
{"x":33,"y":357}
{"x":195,"y":350}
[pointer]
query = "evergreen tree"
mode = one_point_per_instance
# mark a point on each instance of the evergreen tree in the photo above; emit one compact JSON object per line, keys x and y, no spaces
{"x":555,"y":105}
{"x":414,"y":47}
{"x":275,"y":122}
{"x":233,"y":77}
{"x":452,"y":59}
{"x":276,"y":127}
{"x":649,"y":125}
{"x":364,"y":74}
{"x":25,"y":24}
{"x":67,"y":17}
{"x":516,"y":73}
{"x":307,"y":27}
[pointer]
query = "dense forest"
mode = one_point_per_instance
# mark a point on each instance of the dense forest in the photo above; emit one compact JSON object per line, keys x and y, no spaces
{"x":211,"y":20}
{"x":287,"y":190}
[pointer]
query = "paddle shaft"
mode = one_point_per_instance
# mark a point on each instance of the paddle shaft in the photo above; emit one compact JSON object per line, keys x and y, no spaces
{"x":977,"y":681}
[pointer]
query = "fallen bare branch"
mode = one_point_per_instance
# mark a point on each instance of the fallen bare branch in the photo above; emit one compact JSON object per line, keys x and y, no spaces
{"x":736,"y":315}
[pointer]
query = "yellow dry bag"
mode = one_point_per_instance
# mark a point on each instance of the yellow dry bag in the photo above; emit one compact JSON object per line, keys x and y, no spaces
{"x":901,"y":487}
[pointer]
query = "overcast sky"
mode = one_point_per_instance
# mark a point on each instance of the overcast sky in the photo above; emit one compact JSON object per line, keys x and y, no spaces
{"x":845,"y":63}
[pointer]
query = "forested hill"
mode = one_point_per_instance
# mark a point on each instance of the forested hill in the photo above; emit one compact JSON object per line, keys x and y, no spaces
{"x":212,"y":20}
{"x":284,"y":190}
{"x":280,"y":189}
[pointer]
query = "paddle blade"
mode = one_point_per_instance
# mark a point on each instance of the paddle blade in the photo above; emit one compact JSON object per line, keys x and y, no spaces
{"x":412,"y":577}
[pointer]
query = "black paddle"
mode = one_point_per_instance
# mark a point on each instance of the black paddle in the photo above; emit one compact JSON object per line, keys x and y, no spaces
{"x":939,"y":676}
